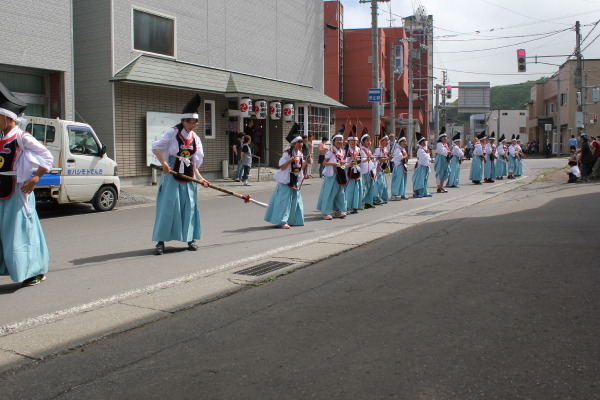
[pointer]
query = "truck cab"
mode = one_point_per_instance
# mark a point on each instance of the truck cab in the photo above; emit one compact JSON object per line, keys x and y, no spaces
{"x":82,"y":172}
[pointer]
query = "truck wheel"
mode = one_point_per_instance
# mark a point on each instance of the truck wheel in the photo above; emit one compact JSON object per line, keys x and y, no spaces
{"x":106,"y":199}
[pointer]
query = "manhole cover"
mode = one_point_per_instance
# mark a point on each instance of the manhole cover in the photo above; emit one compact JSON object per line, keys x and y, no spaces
{"x":264,"y":268}
{"x":428,"y":212}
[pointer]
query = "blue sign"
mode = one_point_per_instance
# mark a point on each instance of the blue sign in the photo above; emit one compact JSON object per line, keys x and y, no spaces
{"x":374,"y":95}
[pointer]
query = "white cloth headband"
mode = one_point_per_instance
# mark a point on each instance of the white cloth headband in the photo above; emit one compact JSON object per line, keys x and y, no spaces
{"x":336,"y":136}
{"x":10,"y":114}
{"x":366,"y":135}
{"x":296,"y":139}
{"x":190,"y":115}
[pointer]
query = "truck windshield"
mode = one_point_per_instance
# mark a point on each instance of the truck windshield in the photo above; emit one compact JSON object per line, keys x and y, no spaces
{"x":82,"y":141}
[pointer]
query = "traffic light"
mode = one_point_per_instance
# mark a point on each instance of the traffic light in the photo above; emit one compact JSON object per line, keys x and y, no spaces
{"x":448,"y":92}
{"x":521,"y":60}
{"x":578,"y":98}
{"x":595,"y":118}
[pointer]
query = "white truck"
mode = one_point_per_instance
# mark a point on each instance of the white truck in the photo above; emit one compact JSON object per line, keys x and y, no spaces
{"x":81,"y":170}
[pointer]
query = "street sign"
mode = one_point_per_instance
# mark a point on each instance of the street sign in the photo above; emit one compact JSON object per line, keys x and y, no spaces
{"x":548,"y":127}
{"x":374,"y":95}
{"x":472,"y":100}
{"x":578,"y":119}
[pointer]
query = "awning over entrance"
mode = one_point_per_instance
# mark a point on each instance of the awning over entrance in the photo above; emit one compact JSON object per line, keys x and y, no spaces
{"x":154,"y":70}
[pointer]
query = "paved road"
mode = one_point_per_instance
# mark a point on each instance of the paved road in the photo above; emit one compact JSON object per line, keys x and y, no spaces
{"x":98,"y":255}
{"x":496,"y":301}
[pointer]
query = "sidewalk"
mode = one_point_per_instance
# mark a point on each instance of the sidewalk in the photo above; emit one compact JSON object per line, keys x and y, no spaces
{"x":495,"y":300}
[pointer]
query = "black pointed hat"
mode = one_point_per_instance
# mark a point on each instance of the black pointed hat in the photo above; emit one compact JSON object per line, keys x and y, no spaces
{"x":513,"y":137}
{"x":365,"y":131}
{"x":401,"y":136}
{"x":456,"y":137}
{"x":294,"y":133}
{"x":502,"y":139}
{"x":481,"y":135}
{"x":518,"y":137}
{"x":10,"y":105}
{"x":420,"y":137}
{"x":443,"y":132}
{"x":493,"y":135}
{"x":339,"y":133}
{"x":382,"y":132}
{"x":191,"y":108}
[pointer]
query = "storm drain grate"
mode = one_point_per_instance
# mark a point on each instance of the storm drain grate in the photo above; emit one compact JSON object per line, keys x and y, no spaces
{"x":428,"y":212}
{"x":264,"y":268}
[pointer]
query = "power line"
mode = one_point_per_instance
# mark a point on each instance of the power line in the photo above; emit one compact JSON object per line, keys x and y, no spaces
{"x":493,"y":73}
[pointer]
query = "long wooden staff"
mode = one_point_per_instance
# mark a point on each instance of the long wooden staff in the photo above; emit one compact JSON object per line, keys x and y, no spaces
{"x":246,"y":198}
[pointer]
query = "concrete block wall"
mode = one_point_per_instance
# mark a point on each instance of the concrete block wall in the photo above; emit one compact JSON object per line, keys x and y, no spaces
{"x":37,"y":34}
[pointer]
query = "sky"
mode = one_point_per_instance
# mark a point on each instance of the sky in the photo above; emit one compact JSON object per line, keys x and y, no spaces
{"x":464,"y":29}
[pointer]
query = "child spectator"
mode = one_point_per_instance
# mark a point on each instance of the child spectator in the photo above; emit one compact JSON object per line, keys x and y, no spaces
{"x":246,"y":157}
{"x":573,"y":172}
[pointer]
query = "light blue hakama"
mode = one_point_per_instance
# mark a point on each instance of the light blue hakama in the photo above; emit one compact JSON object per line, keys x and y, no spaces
{"x":177,"y":215}
{"x":354,"y":193}
{"x":285,"y":207}
{"x":442,"y":168}
{"x":332,"y":197}
{"x":399,"y":179}
{"x":512,"y":161}
{"x":519,"y":167}
{"x":381,"y":188}
{"x":476,"y":169}
{"x":420,"y":180}
{"x":501,"y":169}
{"x":490,"y":168}
{"x":368,"y":188}
{"x":454,"y":171}
{"x":23,"y":250}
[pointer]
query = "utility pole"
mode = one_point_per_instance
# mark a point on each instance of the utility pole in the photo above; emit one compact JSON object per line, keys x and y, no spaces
{"x":392,"y":97}
{"x":410,"y":90}
{"x":559,"y":148}
{"x":375,"y":75}
{"x":578,"y":71}
{"x":585,"y":120}
{"x":498,"y":127}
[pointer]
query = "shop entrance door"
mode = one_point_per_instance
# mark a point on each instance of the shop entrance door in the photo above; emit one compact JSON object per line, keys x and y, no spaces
{"x":258,"y":134}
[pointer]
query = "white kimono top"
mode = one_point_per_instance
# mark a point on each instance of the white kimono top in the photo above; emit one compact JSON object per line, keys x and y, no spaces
{"x":366,"y":165}
{"x":353,"y":153}
{"x":441,"y":149}
{"x":511,"y":150}
{"x":399,"y":153}
{"x":167,"y":144}
{"x":333,"y":155}
{"x":377,"y":154}
{"x":424,"y":157}
{"x":457,"y":151}
{"x":478,"y":151}
{"x":283,"y":175}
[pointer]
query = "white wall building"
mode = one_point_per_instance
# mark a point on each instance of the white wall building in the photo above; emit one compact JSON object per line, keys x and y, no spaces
{"x":510,"y":122}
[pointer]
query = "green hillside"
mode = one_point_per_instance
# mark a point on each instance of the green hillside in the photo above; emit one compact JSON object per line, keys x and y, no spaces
{"x":507,"y":97}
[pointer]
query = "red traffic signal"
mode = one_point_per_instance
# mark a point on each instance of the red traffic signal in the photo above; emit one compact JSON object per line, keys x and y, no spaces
{"x":448,"y":92}
{"x":595,"y":118}
{"x":521,"y":60}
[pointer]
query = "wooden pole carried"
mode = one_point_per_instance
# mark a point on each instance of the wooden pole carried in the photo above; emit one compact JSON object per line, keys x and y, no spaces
{"x":246,"y":198}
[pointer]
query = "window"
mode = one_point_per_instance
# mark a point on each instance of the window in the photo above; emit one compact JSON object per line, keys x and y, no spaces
{"x":551,"y":107}
{"x":505,"y":113}
{"x":318,"y":122}
{"x":399,"y":61}
{"x":82,"y":141}
{"x":546,"y":110}
{"x":41,"y":132}
{"x":563,"y":99}
{"x":521,"y":113}
{"x":209,"y":119}
{"x":153,"y":33}
{"x":522,"y":129}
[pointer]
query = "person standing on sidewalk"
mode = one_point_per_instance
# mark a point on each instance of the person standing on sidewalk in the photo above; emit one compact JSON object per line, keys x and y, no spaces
{"x":237,"y":151}
{"x":391,"y":149}
{"x":573,"y":143}
{"x":354,"y":187}
{"x":367,"y":167}
{"x":400,"y":174}
{"x":285,"y":206}
{"x":501,"y":164}
{"x":490,"y":159}
{"x":247,"y":159}
{"x":548,"y":148}
{"x":332,"y":196}
{"x":420,"y":177}
{"x":23,"y":250}
{"x":512,"y":157}
{"x":179,"y":149}
{"x":442,"y":166}
{"x":586,"y":158}
{"x":520,"y":155}
{"x":468,"y":150}
{"x":476,"y":174}
{"x":322,"y":152}
{"x":382,"y":160}
{"x":457,"y":155}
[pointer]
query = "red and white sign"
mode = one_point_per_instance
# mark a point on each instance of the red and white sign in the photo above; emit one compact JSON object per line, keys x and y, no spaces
{"x":275,"y":110}
{"x":288,"y":112}
{"x":260,"y":109}
{"x":245,"y":107}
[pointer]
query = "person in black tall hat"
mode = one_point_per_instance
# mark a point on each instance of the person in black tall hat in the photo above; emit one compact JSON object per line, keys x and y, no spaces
{"x":367,"y":169}
{"x":179,"y":149}
{"x":512,"y":157}
{"x":400,"y":174}
{"x":23,"y":250}
{"x":501,"y":164}
{"x":490,"y":159}
{"x":382,"y":161}
{"x":354,"y":187}
{"x":476,"y":174}
{"x":420,"y":177}
{"x":457,"y":155}
{"x":285,"y":207}
{"x":332,"y":198}
{"x":442,"y":166}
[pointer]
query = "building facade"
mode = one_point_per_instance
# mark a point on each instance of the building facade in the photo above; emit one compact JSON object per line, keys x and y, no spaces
{"x":37,"y":56}
{"x":508,"y":123}
{"x":135,"y":61}
{"x":348,"y":71}
{"x":553,"y":105}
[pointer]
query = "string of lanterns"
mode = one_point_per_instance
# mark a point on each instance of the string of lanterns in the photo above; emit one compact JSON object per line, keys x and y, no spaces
{"x":261,"y":108}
